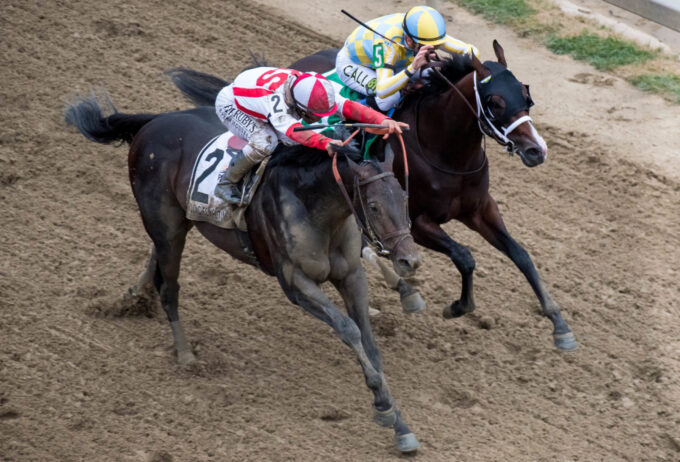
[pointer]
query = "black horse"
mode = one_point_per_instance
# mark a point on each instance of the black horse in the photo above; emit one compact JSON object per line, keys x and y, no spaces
{"x":299,"y":224}
{"x":449,"y":172}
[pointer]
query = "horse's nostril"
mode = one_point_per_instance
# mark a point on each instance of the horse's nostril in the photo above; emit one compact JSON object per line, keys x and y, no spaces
{"x":411,"y":263}
{"x":533,"y":152}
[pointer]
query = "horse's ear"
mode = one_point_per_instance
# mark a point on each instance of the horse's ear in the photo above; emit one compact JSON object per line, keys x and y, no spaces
{"x":354,"y":166}
{"x":386,"y":164}
{"x":479,"y":67}
{"x":500,"y":54}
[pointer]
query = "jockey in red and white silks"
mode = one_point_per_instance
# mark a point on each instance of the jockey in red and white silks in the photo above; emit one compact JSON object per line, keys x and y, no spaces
{"x":264,"y":105}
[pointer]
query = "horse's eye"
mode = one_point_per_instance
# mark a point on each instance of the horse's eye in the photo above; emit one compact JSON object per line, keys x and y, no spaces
{"x":495,"y":107}
{"x":373,"y":207}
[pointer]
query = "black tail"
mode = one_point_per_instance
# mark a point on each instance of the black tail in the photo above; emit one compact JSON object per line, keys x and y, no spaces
{"x":200,"y":88}
{"x":86,"y":115}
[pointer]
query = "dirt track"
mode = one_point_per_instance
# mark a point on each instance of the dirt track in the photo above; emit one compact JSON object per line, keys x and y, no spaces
{"x":84,"y":378}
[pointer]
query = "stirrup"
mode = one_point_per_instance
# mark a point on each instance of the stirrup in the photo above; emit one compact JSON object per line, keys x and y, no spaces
{"x":229,"y":193}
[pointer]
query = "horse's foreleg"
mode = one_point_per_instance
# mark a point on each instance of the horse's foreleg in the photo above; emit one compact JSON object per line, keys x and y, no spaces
{"x":429,"y":234}
{"x":354,"y":291}
{"x":304,"y":292}
{"x":489,"y":224}
{"x":411,"y":300}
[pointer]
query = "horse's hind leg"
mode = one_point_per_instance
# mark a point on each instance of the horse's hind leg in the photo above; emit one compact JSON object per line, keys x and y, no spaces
{"x":167,"y":226}
{"x":146,"y":277}
{"x":411,"y":300}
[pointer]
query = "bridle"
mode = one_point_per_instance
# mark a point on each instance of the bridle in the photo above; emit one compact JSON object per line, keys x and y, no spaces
{"x":486,"y":126}
{"x":367,"y":228}
{"x":500,"y":134}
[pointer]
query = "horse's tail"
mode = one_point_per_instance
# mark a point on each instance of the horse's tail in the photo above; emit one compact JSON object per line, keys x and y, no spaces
{"x":200,"y":88}
{"x":86,"y":115}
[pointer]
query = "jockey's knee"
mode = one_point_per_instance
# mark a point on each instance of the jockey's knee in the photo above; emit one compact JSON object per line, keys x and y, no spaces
{"x":262,"y":144}
{"x":388,"y":102}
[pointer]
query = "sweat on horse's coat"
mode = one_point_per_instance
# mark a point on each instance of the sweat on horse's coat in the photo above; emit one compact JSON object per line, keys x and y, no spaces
{"x":302,"y":230}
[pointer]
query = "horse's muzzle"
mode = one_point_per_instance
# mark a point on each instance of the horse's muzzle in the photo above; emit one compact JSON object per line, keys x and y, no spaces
{"x":533,"y":156}
{"x":406,"y":258}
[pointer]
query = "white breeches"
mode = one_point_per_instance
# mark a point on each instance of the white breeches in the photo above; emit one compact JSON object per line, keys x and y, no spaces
{"x":261,"y":137}
{"x":362,"y":79}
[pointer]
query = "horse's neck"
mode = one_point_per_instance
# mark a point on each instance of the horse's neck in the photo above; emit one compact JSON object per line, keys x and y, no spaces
{"x":323,"y":199}
{"x":446,"y":124}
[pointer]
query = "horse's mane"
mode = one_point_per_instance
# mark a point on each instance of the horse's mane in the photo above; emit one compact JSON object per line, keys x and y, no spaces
{"x":309,"y":169}
{"x":454,"y":68}
{"x":298,"y":156}
{"x":301,"y":157}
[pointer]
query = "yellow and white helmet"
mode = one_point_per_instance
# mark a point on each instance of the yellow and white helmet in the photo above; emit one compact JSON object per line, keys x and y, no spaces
{"x":424,"y":25}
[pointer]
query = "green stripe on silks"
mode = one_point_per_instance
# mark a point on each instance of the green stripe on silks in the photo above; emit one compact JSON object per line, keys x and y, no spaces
{"x":351,"y":95}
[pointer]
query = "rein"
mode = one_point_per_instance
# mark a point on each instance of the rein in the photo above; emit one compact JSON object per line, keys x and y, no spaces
{"x":368,"y":229}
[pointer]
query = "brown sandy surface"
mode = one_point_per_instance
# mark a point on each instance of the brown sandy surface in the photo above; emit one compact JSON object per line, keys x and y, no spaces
{"x":85,"y":377}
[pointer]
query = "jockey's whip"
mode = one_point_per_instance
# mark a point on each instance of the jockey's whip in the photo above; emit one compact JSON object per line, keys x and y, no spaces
{"x":371,"y":29}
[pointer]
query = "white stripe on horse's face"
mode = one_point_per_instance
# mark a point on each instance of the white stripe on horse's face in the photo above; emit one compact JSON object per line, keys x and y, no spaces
{"x":539,"y":140}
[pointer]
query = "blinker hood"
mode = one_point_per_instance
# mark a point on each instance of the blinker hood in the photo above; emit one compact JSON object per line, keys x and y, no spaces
{"x":503,"y":83}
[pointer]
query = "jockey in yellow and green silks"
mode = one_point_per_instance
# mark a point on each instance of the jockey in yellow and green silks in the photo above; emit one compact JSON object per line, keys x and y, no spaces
{"x":380,"y":67}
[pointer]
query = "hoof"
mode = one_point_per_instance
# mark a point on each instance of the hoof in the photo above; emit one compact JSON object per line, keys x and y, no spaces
{"x":385,"y":418}
{"x":406,"y":443}
{"x":565,"y":342}
{"x":456,"y":310}
{"x":185,"y":358}
{"x":373,"y":312}
{"x":413,"y":303}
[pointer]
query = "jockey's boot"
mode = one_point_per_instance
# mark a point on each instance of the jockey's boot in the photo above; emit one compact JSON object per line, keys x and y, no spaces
{"x":227,"y":187}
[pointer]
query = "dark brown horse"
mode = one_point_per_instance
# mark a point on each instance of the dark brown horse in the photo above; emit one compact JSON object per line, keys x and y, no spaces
{"x":449,"y":171}
{"x":301,"y":227}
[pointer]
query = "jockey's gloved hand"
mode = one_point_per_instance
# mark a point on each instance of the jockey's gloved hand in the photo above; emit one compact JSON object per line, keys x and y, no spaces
{"x":391,"y":126}
{"x":334,"y":146}
{"x":425,"y":53}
